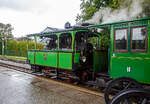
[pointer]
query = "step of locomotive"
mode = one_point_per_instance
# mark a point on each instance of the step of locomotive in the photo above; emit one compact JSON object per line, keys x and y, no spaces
{"x":52,"y":70}
{"x":51,"y":74}
{"x":64,"y":78}
{"x":74,"y":77}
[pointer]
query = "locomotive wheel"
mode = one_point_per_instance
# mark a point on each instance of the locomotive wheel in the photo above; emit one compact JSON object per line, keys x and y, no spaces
{"x":33,"y":67}
{"x":117,"y":85}
{"x":132,"y":96}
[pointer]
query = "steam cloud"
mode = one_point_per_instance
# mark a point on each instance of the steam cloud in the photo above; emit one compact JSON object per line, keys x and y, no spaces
{"x":125,"y":12}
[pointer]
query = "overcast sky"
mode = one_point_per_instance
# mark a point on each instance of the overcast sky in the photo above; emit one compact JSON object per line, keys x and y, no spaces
{"x":33,"y":16}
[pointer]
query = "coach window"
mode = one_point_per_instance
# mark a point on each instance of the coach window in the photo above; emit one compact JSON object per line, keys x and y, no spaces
{"x":50,"y":42}
{"x":139,"y":39}
{"x":121,"y":40}
{"x":65,"y":41}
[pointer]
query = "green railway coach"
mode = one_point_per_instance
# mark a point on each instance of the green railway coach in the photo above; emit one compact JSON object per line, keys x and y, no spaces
{"x":129,"y":51}
{"x":65,"y":52}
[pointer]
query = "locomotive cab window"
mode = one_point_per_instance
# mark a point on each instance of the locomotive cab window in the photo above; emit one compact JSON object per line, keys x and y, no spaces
{"x":121,"y":40}
{"x":65,"y":41}
{"x":93,"y":39}
{"x":80,"y":40}
{"x":139,"y":39}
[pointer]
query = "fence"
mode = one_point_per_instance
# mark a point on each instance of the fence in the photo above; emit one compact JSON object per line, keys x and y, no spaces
{"x":18,"y":48}
{"x":15,"y":53}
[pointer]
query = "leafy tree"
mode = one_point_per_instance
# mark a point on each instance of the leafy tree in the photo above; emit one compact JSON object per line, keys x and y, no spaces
{"x":146,"y":8}
{"x":5,"y":31}
{"x":115,"y":4}
{"x":90,"y":7}
{"x":87,"y":10}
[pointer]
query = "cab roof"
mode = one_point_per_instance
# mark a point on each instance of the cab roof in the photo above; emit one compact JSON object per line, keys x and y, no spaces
{"x":58,"y":31}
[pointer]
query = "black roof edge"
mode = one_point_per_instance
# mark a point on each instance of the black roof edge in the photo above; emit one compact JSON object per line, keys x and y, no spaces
{"x":58,"y":31}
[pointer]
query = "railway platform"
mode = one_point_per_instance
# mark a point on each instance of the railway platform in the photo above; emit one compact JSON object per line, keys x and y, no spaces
{"x":22,"y":88}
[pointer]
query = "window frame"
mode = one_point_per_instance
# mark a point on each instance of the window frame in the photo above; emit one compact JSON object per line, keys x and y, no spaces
{"x":75,"y":42}
{"x":49,"y":48}
{"x":146,"y":44}
{"x":114,"y":43}
{"x":71,"y":41}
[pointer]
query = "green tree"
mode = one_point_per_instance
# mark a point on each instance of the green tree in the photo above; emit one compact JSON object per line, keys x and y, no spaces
{"x":5,"y":31}
{"x":19,"y":48}
{"x":90,"y":7}
{"x":5,"y":34}
{"x":87,"y":10}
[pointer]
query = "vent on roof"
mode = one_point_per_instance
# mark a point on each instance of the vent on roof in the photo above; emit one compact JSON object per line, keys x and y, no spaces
{"x":67,"y":25}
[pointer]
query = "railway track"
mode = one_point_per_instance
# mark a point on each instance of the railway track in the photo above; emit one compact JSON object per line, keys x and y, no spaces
{"x":60,"y":82}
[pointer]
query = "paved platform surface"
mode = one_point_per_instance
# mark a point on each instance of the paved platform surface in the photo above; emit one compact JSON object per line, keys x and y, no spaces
{"x":21,"y":88}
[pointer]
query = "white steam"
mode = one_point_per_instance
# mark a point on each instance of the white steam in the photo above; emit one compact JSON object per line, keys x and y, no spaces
{"x":125,"y":12}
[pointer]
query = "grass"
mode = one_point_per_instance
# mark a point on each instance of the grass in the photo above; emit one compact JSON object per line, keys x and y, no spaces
{"x":14,"y":57}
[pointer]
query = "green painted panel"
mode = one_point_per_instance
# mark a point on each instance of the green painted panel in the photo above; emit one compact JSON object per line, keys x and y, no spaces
{"x":134,"y":68}
{"x":132,"y":55}
{"x":122,"y":25}
{"x":76,"y":58}
{"x":148,"y":36}
{"x":46,"y":59}
{"x":98,"y":61}
{"x":139,"y":23}
{"x":31,"y":57}
{"x":65,"y":60}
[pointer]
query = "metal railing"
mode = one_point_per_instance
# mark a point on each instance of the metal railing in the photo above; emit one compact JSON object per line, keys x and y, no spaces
{"x":15,"y":53}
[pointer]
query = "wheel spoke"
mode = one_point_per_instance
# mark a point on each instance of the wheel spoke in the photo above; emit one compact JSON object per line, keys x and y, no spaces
{"x":126,"y":101}
{"x":113,"y":90}
{"x":128,"y":85}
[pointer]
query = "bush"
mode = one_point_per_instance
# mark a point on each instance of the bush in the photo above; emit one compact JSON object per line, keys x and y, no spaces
{"x":18,"y":48}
